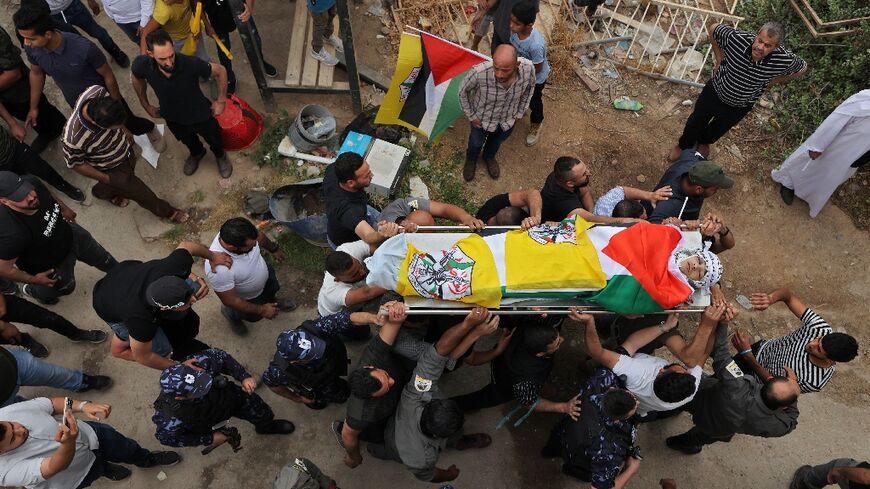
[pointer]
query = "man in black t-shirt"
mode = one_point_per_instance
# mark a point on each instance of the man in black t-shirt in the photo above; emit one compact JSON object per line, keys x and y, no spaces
{"x":40,"y":241}
{"x":349,"y":216}
{"x":566,"y":193}
{"x":174,"y":78}
{"x":148,"y":305}
{"x":221,"y":17}
{"x":375,"y":386}
{"x":518,"y":208}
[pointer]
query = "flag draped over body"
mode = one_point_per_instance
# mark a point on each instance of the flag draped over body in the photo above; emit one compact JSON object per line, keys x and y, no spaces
{"x":424,"y":92}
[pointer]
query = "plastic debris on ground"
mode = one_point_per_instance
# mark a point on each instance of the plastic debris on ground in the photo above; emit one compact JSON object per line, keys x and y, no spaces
{"x":613,"y":74}
{"x":318,"y":127}
{"x":626,"y":103}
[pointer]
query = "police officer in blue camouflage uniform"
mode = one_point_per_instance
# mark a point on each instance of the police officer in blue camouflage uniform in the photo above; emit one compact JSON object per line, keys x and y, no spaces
{"x":195,"y":396}
{"x":600,"y":446}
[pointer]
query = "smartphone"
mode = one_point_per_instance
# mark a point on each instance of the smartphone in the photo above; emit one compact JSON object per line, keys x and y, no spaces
{"x":67,"y":408}
{"x":194,"y":285}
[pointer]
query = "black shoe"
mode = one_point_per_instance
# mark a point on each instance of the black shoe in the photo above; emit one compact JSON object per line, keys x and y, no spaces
{"x":238,"y":326}
{"x":270,"y":70}
{"x":74,"y":193}
{"x":35,"y":348}
{"x":115,"y":472}
{"x":286,"y":305}
{"x":191,"y":163}
{"x":225,"y":168}
{"x":337,"y":427}
{"x":45,"y":302}
{"x":121,"y":58}
{"x":90,"y":335}
{"x":317,"y":405}
{"x":787,"y":194}
{"x":797,"y":480}
{"x":94,"y":382}
{"x":681,"y":443}
{"x":163,"y":458}
{"x":276,"y":427}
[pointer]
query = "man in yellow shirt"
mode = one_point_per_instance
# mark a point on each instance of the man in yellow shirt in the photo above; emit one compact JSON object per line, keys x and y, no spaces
{"x":173,"y":16}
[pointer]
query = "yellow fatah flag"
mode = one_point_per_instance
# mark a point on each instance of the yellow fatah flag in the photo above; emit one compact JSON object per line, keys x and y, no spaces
{"x":409,"y":63}
{"x":553,"y":257}
{"x":466,"y":272}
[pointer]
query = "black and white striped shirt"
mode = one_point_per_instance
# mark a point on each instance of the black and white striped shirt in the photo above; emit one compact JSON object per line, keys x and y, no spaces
{"x":86,"y":143}
{"x":740,"y":81}
{"x":788,"y":351}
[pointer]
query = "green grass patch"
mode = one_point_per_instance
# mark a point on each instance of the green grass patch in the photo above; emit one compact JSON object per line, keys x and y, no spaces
{"x":300,"y":254}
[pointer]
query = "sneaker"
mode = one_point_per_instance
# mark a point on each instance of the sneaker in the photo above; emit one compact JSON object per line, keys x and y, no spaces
{"x":335,"y":41}
{"x":786,"y":194}
{"x":94,"y":382}
{"x":115,"y":472}
{"x":493,"y":168}
{"x":469,"y":169}
{"x":797,"y":480}
{"x":236,"y":325}
{"x":337,"y":427}
{"x":681,"y":444}
{"x":225,"y":168}
{"x":270,"y":70}
{"x":25,"y":289}
{"x":74,"y":193}
{"x":324,"y":57}
{"x":191,"y":163}
{"x":534,"y":134}
{"x":286,"y":305}
{"x":90,"y":335}
{"x":162,"y":458}
{"x":157,"y":140}
{"x":276,"y":427}
{"x":35,"y":348}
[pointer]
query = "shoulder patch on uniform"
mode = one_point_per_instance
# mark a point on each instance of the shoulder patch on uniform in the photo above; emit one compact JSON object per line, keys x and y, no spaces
{"x":414,"y":204}
{"x":421,"y":384}
{"x":734,"y":370}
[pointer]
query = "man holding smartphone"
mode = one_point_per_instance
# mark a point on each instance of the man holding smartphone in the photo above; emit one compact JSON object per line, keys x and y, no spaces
{"x":37,"y":451}
{"x":148,"y":305}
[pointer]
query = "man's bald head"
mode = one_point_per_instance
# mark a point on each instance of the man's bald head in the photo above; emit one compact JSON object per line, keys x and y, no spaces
{"x":504,"y":63}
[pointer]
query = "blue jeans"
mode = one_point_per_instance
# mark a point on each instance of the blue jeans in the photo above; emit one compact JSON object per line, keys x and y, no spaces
{"x":85,"y":249}
{"x":488,"y":141}
{"x":159,"y":344}
{"x":226,"y":62}
{"x":78,"y":15}
{"x":36,"y":373}
{"x":130,"y":30}
{"x":266,"y":297}
{"x":114,"y":448}
{"x":372,"y":217}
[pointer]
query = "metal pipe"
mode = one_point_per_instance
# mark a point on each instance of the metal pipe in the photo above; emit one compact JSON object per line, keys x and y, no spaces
{"x":530,"y":312}
{"x":602,"y":41}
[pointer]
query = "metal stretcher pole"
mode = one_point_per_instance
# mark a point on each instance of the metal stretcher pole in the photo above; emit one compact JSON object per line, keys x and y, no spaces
{"x":560,"y":311}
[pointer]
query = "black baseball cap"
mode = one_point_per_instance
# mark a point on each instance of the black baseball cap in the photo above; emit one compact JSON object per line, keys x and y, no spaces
{"x":13,"y":187}
{"x":168,"y":293}
{"x":709,"y":174}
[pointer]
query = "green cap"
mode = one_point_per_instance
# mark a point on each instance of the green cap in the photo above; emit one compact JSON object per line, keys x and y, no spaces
{"x":709,"y":174}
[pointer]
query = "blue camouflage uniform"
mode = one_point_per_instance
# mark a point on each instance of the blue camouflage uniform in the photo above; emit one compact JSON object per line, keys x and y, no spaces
{"x":173,"y":431}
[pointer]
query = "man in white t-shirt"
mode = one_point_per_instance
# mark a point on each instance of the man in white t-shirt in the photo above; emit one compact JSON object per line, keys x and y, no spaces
{"x":37,"y":452}
{"x":658,"y":385}
{"x":344,"y":283}
{"x":248,"y":289}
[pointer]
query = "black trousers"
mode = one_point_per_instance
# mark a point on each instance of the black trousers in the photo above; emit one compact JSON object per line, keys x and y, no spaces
{"x":537,"y":104}
{"x":489,"y":396}
{"x":137,"y":125}
{"x":27,"y":161}
{"x":50,"y":122}
{"x":710,"y":120}
{"x":23,"y":311}
{"x":189,"y":135}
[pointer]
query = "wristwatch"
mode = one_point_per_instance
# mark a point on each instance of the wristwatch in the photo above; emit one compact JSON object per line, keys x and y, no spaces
{"x":82,"y":405}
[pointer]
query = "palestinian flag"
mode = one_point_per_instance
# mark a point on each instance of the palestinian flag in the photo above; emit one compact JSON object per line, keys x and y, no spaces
{"x":424,"y":92}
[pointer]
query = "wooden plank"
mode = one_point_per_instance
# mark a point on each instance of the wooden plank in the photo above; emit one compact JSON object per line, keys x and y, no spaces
{"x":591,"y":85}
{"x":324,"y":76}
{"x":297,"y":44}
{"x":309,"y":66}
{"x":368,"y":74}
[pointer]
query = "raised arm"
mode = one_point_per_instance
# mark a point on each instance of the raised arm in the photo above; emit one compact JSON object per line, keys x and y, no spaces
{"x":761,"y":301}
{"x":451,"y":339}
{"x":530,"y":198}
{"x":593,"y":342}
{"x":488,"y":326}
{"x":455,"y":214}
{"x":696,"y":352}
{"x":744,"y":349}
{"x":642,"y":337}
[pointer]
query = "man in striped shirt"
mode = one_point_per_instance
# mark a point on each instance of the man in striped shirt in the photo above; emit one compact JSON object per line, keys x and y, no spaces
{"x":811,"y":351}
{"x":745,"y":65}
{"x":96,"y":145}
{"x":493,"y":96}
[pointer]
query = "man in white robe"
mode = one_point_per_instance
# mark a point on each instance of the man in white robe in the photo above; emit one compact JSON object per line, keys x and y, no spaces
{"x":830,"y":156}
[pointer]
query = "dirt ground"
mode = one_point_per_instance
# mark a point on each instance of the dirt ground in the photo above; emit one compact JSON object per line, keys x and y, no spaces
{"x":820,"y":259}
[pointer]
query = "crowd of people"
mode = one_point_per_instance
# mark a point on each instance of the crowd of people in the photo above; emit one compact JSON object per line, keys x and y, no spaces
{"x":392,"y":391}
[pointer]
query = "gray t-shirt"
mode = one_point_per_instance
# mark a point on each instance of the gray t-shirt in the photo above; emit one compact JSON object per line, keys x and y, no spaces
{"x":403,"y":436}
{"x":400,"y":208}
{"x":22,"y":466}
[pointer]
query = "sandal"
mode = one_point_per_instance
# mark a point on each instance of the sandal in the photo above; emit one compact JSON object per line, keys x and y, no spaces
{"x":119,"y":201}
{"x":179,"y":216}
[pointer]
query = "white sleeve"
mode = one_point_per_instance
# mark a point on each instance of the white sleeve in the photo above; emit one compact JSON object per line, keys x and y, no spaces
{"x":24,"y":474}
{"x":626,"y":366}
{"x":357,"y":249}
{"x":827,"y":132}
{"x":331,"y":299}
{"x":222,"y":280}
{"x":147,"y":7}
